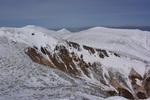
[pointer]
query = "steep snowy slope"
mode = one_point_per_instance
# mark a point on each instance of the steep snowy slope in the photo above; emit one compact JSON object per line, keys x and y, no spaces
{"x":95,"y":63}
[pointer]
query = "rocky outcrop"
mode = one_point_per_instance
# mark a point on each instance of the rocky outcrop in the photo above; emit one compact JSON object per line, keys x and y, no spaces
{"x":138,"y":90}
{"x":122,"y":91}
{"x":146,"y":83}
{"x":90,"y":49}
{"x":36,"y":57}
{"x":62,"y":60}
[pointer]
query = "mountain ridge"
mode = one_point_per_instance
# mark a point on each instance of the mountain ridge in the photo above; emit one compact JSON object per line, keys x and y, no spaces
{"x":106,"y":69}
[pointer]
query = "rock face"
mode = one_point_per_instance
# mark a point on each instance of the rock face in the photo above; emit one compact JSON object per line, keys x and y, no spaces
{"x":122,"y":91}
{"x":139,"y":90}
{"x":146,"y":83}
{"x":37,"y":57}
{"x":65,"y":58}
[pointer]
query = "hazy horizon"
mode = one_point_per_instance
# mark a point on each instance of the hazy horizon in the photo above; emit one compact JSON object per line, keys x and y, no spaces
{"x":74,"y":13}
{"x":77,"y":29}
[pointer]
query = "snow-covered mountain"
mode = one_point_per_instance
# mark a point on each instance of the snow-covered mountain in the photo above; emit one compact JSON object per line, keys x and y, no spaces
{"x":37,"y":63}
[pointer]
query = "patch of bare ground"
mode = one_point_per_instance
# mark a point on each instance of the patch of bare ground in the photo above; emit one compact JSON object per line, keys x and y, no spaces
{"x":75,"y":45}
{"x":139,"y":90}
{"x":146,"y":83}
{"x":122,"y":91}
{"x":102,"y":53}
{"x":38,"y":58}
{"x":111,"y":93}
{"x":90,"y":49}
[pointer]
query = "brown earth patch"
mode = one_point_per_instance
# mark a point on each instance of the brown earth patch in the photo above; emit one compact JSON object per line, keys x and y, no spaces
{"x":102,"y":53}
{"x":75,"y":45}
{"x":83,"y":67}
{"x":112,"y":93}
{"x":122,"y":91}
{"x":133,"y":75}
{"x":90,"y":49}
{"x":37,"y":57}
{"x":43,"y":50}
{"x":141,"y":95}
{"x":67,"y":60}
{"x":57,"y":64}
{"x":139,"y":90}
{"x":125,"y":93}
{"x":146,"y":83}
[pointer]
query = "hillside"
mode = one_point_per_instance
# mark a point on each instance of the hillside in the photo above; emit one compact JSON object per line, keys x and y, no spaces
{"x":38,"y":63}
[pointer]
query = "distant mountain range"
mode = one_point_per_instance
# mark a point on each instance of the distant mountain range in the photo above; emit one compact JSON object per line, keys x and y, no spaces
{"x":143,"y":28}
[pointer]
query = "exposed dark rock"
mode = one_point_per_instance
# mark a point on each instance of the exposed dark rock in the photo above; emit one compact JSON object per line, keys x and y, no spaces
{"x":57,"y":64}
{"x":43,"y":50}
{"x":75,"y":45}
{"x":102,"y":52}
{"x":122,"y":91}
{"x":116,"y":55}
{"x":146,"y":83}
{"x":101,"y":55}
{"x":133,"y":75}
{"x":35,"y":47}
{"x":148,"y":79}
{"x":147,"y":87}
{"x":36,"y":57}
{"x":90,"y":49}
{"x":67,"y":60}
{"x":112,"y":93}
{"x":62,"y":49}
{"x":81,"y":56}
{"x":141,"y":95}
{"x":139,"y":90}
{"x":84,"y":67}
{"x":125,"y":93}
{"x":32,"y":33}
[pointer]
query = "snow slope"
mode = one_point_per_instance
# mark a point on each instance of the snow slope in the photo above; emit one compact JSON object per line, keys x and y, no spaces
{"x":31,"y":35}
{"x":123,"y":41}
{"x":23,"y":79}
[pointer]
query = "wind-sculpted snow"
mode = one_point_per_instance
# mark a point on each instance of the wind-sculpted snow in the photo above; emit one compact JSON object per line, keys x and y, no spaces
{"x":37,"y":63}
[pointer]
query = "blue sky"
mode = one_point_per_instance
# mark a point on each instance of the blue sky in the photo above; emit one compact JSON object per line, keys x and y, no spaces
{"x":74,"y":13}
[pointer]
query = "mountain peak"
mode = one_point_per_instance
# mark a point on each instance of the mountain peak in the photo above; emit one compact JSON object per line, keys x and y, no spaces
{"x":63,"y":30}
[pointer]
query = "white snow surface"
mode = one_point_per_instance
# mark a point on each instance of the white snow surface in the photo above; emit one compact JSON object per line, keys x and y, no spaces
{"x":124,"y":41}
{"x":31,"y":35}
{"x":63,"y":30}
{"x":21,"y":75}
{"x":22,"y":79}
